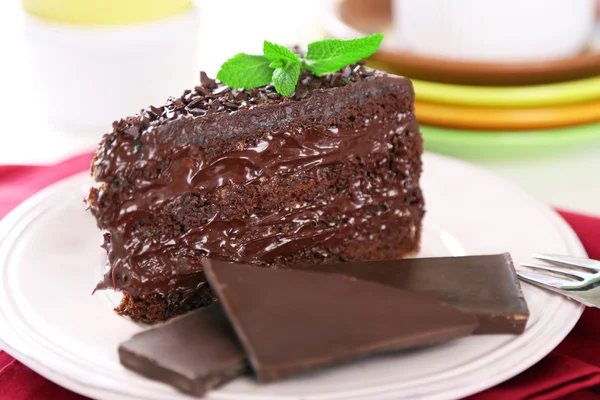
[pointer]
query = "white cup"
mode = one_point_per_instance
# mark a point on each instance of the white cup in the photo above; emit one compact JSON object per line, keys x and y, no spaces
{"x":494,"y":30}
{"x":86,"y":77}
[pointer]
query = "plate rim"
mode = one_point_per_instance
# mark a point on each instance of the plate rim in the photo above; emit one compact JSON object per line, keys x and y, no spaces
{"x":480,"y":144}
{"x":507,"y":119}
{"x":566,"y":233}
{"x":548,"y":94}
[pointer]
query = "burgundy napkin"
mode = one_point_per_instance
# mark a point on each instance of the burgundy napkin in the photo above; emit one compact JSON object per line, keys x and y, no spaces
{"x":570,"y":372}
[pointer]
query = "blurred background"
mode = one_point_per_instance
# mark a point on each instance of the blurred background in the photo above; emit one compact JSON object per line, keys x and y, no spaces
{"x":512,"y":85}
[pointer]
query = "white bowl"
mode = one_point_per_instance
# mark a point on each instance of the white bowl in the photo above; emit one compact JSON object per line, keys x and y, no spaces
{"x":87,"y":77}
{"x":494,"y":30}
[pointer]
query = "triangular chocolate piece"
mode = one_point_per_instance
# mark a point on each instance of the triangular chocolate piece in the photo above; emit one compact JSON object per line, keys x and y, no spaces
{"x":195,"y":352}
{"x":291,"y":321}
{"x":486,"y":286}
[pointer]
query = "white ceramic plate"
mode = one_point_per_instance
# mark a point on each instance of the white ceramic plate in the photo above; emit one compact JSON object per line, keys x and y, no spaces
{"x":50,"y":260}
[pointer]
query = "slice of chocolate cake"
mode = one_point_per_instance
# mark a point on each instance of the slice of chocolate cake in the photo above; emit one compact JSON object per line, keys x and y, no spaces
{"x":328,"y":174}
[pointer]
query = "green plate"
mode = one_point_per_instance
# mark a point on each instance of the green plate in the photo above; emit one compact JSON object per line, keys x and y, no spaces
{"x":475,"y":145}
{"x":509,"y":96}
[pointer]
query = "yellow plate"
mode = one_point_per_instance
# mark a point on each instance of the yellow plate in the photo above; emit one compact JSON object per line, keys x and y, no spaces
{"x":105,"y":12}
{"x":464,"y":117}
{"x":510,"y":96}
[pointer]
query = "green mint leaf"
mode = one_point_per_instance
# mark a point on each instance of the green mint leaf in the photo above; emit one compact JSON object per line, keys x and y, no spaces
{"x":275,"y":52}
{"x":331,"y":55}
{"x":282,"y":66}
{"x":244,"y":71}
{"x":285,"y":79}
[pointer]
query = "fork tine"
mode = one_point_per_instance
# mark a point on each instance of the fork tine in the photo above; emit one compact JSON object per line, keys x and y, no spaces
{"x":565,"y":273}
{"x":541,"y":279}
{"x":587,"y":264}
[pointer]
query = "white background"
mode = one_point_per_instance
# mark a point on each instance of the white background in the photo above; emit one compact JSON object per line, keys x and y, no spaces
{"x":569,"y":180}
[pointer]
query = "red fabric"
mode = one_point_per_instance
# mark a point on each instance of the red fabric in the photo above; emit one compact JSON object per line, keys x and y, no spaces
{"x":20,"y":182}
{"x":570,"y":372}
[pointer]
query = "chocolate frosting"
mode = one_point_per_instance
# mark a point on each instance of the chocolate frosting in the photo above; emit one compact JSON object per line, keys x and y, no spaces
{"x":181,"y":149}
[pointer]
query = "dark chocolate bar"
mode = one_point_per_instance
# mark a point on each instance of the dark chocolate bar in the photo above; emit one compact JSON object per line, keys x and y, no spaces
{"x":290,"y":321}
{"x":194,"y":353}
{"x":485,"y":285}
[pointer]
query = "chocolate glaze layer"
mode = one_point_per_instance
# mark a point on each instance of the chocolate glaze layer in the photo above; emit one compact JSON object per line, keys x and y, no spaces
{"x":179,"y":157}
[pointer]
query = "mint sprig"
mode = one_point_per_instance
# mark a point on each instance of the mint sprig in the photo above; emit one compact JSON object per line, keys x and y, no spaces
{"x":286,"y":78}
{"x":282,"y":67}
{"x":246,"y":71}
{"x":333,"y":54}
{"x":275,"y":52}
{"x":286,"y":67}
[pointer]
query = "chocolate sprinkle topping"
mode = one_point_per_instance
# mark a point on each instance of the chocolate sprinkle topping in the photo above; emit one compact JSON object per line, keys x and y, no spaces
{"x":213,"y":97}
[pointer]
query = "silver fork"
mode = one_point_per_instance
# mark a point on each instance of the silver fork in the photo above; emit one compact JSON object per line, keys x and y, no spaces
{"x":574,"y":277}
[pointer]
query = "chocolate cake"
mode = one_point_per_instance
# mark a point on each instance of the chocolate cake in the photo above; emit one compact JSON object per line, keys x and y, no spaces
{"x":328,"y":174}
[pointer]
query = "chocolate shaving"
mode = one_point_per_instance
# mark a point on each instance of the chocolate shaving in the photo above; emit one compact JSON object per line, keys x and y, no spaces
{"x":207,"y":82}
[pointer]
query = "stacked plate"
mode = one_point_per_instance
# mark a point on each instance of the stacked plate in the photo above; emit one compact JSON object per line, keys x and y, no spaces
{"x":486,"y":109}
